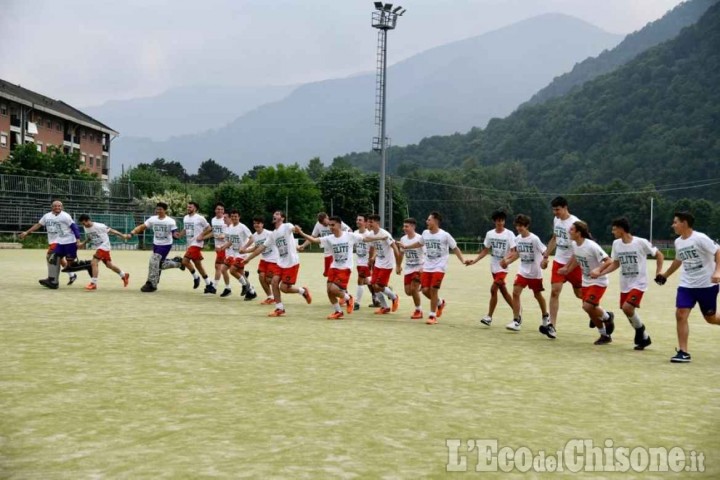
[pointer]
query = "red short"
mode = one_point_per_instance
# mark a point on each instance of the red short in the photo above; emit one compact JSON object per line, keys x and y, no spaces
{"x":237,"y":262}
{"x":102,"y":255}
{"x":574,"y":277}
{"x":219,"y":257}
{"x":268,"y":269}
{"x":328,"y":261}
{"x":412,"y":277}
{"x":633,"y":297}
{"x":431,"y":279}
{"x":194,"y":253}
{"x":288,"y":276}
{"x":499,"y":278}
{"x":593,"y":294}
{"x":534,"y":284}
{"x":364,"y":271}
{"x":51,"y":248}
{"x":381,"y":276}
{"x":339,"y":277}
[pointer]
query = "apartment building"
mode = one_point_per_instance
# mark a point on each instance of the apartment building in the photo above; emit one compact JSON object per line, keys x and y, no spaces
{"x":29,"y":117}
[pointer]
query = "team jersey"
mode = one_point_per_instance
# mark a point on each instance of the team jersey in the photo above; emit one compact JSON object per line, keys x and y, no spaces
{"x":238,"y":236}
{"x":194,"y":225}
{"x":58,"y":228}
{"x":341,"y":248}
{"x":384,"y":254}
{"x":286,"y":246}
{"x":162,"y":229}
{"x":437,"y":249}
{"x":588,"y":256}
{"x":530,"y":250}
{"x":414,"y":257}
{"x":320,"y":231}
{"x":499,"y":244}
{"x":264,"y":238}
{"x":362,"y":251}
{"x":633,"y":262}
{"x":561,"y":229}
{"x":697,"y":253}
{"x":219,"y":229}
{"x":98,"y":236}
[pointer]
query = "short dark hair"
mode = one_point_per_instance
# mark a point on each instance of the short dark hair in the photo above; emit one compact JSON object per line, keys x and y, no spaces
{"x":321,"y":216}
{"x":235,"y":211}
{"x":523,"y":220}
{"x":162,"y":205}
{"x":410,"y":220}
{"x":498,"y":215}
{"x":374,"y":217}
{"x":583,"y":228}
{"x":282,"y":214}
{"x":622,"y":222}
{"x":218,"y":204}
{"x":559,"y":202}
{"x":363,"y":215}
{"x":84,"y":217}
{"x":436,"y":215}
{"x":336,"y":219}
{"x":686,"y":217}
{"x":195,"y":204}
{"x":258,"y":219}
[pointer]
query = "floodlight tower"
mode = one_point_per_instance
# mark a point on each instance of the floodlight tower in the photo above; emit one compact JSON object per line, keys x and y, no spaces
{"x":384,"y":18}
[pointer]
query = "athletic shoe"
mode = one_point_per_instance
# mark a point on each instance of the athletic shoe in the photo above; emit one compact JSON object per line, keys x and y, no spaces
{"x":247,"y":273}
{"x":431,"y":321}
{"x":126,"y":279}
{"x":244,"y":291}
{"x":90,"y":286}
{"x":440,"y":308}
{"x":335,"y":316}
{"x":382,"y":311}
{"x":639,"y":335}
{"x":681,"y":357}
{"x":644,"y":342}
{"x":196,"y":282}
{"x":543,"y":329}
{"x":591,"y":324}
{"x":551,"y":333}
{"x":73,"y":277}
{"x":308,"y":297}
{"x":486,"y":320}
{"x":356,"y":307}
{"x":603,"y":340}
{"x":45,"y":282}
{"x":350,"y":305}
{"x":210,"y":289}
{"x":395,"y":303}
{"x":374,"y":304}
{"x":610,"y":323}
{"x":278,"y":312}
{"x":268,"y":301}
{"x":514,"y":326}
{"x":179,"y":260}
{"x":417,"y":315}
{"x":250,"y":296}
{"x":148,"y":287}
{"x":226,"y":292}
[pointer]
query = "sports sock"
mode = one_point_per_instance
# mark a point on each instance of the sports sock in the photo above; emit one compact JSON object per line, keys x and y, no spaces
{"x":359,"y":293}
{"x":605,"y":316}
{"x":635,"y":321}
{"x":301,"y":291}
{"x":390,"y":294}
{"x":602,"y":331}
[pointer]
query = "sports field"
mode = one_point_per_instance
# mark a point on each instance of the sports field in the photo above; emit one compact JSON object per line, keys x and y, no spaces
{"x":176,"y":384}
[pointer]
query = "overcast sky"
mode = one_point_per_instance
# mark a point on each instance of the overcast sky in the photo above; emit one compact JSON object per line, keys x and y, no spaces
{"x":86,"y":52}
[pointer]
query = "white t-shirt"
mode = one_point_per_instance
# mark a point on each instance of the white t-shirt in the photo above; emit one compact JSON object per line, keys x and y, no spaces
{"x":414,"y":257}
{"x":589,"y":255}
{"x":98,"y":236}
{"x":162,"y":229}
{"x":58,"y":228}
{"x":320,"y":231}
{"x":499,"y":244}
{"x":697,"y":253}
{"x":362,"y":251}
{"x":286,"y":246}
{"x":194,"y":225}
{"x":530,"y":249}
{"x":437,"y":249}
{"x":384,"y":254}
{"x":633,"y":262}
{"x":561,"y":230}
{"x":219,"y":229}
{"x":238,"y":236}
{"x":341,"y":248}
{"x":264,"y":238}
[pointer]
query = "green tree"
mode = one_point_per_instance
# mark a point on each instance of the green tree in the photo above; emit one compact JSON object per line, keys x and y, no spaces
{"x":170,"y":169}
{"x":212,"y":173}
{"x":315,"y":169}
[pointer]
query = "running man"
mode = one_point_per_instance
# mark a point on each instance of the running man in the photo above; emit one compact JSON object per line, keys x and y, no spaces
{"x":414,"y":259}
{"x":237,"y":237}
{"x":194,"y":228}
{"x":591,"y":259}
{"x":531,"y":251}
{"x":262,"y":242}
{"x":561,"y":243}
{"x":96,"y":234}
{"x":218,"y":229}
{"x":700,"y":258}
{"x":499,"y":243}
{"x":362,"y":254}
{"x":629,"y":254}
{"x":322,"y":229}
{"x":387,"y":257}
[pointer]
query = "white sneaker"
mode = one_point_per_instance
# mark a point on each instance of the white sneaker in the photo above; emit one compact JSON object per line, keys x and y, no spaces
{"x":514,"y":326}
{"x":486,"y":320}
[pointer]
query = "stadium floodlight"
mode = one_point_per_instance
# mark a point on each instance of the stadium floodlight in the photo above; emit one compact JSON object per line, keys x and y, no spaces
{"x":403,"y":11}
{"x":388,"y":7}
{"x":397,"y":9}
{"x":379,"y":5}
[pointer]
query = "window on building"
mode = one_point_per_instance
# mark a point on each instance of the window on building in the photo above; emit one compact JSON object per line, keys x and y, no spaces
{"x":58,"y":127}
{"x":39,"y":147}
{"x":48,"y":124}
{"x":83,"y":157}
{"x":3,"y":140}
{"x":3,"y":109}
{"x":92,"y":161}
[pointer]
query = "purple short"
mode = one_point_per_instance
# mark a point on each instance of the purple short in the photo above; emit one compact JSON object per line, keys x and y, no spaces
{"x":705,"y":297}
{"x":162,"y":250}
{"x":68,"y":250}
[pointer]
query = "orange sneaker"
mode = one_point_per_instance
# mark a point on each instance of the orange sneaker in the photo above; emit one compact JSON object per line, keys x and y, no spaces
{"x":431,"y":320}
{"x":278,"y":312}
{"x":417,"y":315}
{"x":308,"y":297}
{"x":382,"y":311}
{"x":350,"y":305}
{"x":395,"y":303}
{"x":335,"y":316}
{"x":268,"y":301}
{"x":126,"y":279}
{"x":90,"y":287}
{"x":440,"y":308}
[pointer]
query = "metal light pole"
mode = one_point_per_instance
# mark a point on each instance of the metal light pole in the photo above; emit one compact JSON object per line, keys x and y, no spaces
{"x":384,"y":18}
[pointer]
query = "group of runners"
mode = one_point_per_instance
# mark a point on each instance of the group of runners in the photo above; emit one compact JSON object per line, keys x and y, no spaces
{"x":422,"y":259}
